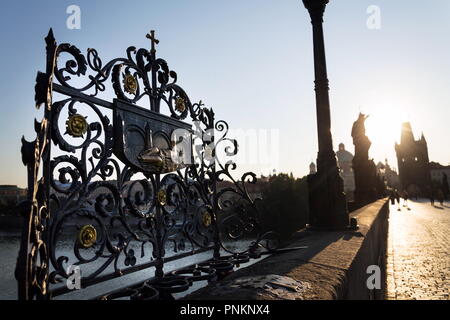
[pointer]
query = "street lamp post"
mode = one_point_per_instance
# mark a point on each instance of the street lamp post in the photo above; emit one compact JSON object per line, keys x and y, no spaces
{"x":328,"y":206}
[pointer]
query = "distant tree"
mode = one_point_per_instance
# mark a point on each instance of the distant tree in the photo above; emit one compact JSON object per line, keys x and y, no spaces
{"x":284,"y":205}
{"x":8,"y":208}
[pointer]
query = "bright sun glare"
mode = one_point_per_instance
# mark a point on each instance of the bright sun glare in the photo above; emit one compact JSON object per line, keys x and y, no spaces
{"x":383,"y":127}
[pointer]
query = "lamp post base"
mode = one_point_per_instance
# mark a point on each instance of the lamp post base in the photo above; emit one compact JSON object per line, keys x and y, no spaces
{"x":327,"y":202}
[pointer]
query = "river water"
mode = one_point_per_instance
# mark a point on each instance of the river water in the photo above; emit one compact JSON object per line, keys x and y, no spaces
{"x":9,"y":247}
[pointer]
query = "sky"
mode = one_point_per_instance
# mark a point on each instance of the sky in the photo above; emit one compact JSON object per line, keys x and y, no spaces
{"x":252,"y":61}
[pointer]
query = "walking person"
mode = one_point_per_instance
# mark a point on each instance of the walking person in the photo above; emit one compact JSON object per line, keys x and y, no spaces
{"x":392,"y":197}
{"x":405,"y":199}
{"x":440,"y":197}
{"x":432,"y":198}
{"x":397,"y":198}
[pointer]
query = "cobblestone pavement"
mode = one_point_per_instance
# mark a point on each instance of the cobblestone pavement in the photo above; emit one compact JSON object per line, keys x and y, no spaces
{"x":418,"y":261}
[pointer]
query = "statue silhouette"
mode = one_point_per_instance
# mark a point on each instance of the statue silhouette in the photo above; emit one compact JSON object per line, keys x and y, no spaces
{"x":364,"y":169}
{"x":360,"y":140}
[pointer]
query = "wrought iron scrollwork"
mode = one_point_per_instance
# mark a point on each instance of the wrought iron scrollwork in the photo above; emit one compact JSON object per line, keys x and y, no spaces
{"x":117,"y":218}
{"x":32,"y":270}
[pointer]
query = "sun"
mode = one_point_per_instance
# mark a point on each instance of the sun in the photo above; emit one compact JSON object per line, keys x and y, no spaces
{"x":383,"y":127}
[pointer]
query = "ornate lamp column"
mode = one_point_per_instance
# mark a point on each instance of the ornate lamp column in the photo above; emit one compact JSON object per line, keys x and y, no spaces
{"x":328,"y":206}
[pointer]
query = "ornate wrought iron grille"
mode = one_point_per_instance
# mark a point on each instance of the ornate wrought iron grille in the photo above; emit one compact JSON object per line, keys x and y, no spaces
{"x":109,"y":184}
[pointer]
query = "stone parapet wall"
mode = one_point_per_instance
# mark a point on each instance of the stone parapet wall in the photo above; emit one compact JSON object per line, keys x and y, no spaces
{"x":333,"y":266}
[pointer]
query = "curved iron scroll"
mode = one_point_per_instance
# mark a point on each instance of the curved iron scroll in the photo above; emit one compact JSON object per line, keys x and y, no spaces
{"x":119,"y":219}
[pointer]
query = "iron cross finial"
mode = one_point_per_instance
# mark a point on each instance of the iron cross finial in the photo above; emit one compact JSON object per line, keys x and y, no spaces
{"x":153,"y":39}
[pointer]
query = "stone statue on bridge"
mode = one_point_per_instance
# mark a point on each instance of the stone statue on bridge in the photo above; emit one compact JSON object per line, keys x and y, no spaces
{"x":360,"y":140}
{"x":366,"y":181}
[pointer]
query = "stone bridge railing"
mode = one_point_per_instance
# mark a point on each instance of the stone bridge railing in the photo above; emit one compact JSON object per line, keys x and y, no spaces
{"x":333,"y":266}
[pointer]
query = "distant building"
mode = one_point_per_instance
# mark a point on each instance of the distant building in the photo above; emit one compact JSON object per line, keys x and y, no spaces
{"x":11,"y":194}
{"x":437,"y":172}
{"x":390,"y":175}
{"x":312,"y":168}
{"x":413,"y":162}
{"x":346,"y":171}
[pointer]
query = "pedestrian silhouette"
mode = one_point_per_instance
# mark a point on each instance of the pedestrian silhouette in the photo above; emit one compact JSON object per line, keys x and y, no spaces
{"x":405,"y":198}
{"x":440,"y":197}
{"x":392,"y":197}
{"x":397,"y":198}
{"x":432,"y":198}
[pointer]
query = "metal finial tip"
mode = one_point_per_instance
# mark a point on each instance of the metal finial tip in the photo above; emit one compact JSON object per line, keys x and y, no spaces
{"x":50,"y":37}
